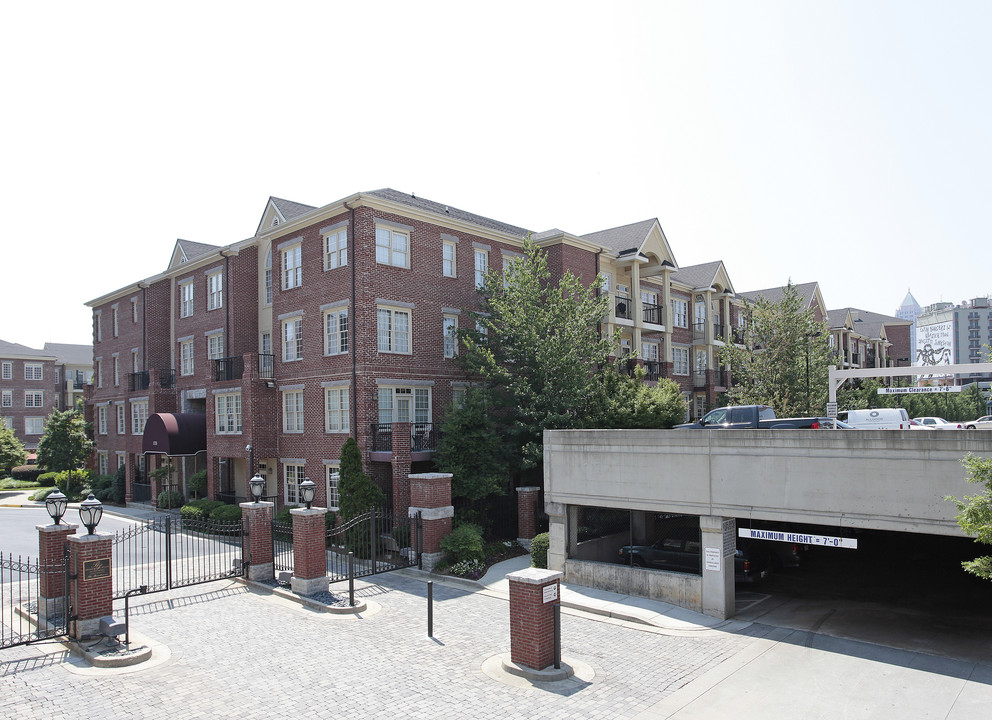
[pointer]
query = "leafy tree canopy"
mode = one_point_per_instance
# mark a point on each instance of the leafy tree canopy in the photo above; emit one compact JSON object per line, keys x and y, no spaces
{"x":356,"y":490}
{"x":975,"y":512}
{"x":474,"y":449}
{"x":65,"y":444}
{"x":12,"y":451}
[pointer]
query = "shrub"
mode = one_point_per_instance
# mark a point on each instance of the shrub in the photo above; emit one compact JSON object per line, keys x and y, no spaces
{"x":197,"y":482}
{"x":283,"y":517}
{"x":168,"y":499}
{"x":12,"y":484}
{"x":42,"y":494}
{"x":401,"y":534}
{"x":199,"y":509}
{"x":47,"y":479}
{"x":539,"y":551}
{"x":29,"y":473}
{"x":464,"y":543}
{"x":226,"y":513}
{"x":72,"y":483}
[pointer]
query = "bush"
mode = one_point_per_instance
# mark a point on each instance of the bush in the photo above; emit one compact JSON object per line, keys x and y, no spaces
{"x":47,"y":479}
{"x":197,"y":482}
{"x":226,"y":513}
{"x":72,"y":483}
{"x":42,"y":494}
{"x":401,"y":534}
{"x":464,"y":543}
{"x":12,"y":484}
{"x":168,"y":499}
{"x":539,"y":551}
{"x":28,"y":473}
{"x":199,"y":509}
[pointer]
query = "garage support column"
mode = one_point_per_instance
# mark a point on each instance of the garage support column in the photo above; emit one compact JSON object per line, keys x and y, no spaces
{"x":719,"y":544}
{"x":557,"y":535}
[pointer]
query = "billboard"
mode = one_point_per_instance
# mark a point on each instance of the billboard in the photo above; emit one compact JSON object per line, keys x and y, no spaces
{"x":934,"y":344}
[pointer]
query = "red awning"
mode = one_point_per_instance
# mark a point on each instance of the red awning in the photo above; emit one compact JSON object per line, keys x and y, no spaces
{"x":175,"y":434}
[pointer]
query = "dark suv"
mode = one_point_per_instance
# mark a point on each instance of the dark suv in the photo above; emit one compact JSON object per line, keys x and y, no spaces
{"x":679,"y":550}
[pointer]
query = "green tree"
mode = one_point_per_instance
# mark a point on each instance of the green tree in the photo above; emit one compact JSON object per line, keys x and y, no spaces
{"x":630,"y":403}
{"x":356,"y":490}
{"x":473,"y":448}
{"x":784,"y":360}
{"x":12,"y":451}
{"x":65,"y":444}
{"x":975,"y":512}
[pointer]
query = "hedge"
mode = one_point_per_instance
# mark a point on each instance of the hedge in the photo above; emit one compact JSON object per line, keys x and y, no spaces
{"x":539,"y":551}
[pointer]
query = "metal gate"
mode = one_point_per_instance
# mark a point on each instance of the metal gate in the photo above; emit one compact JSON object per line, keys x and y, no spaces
{"x":174,"y":551}
{"x":34,"y":600}
{"x":377,"y":544}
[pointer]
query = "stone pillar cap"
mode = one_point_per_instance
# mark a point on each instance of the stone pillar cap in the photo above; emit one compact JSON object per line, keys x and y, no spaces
{"x":259,"y":505}
{"x":535,"y":576}
{"x":304,"y":512}
{"x":51,"y":527}
{"x":533,"y":488}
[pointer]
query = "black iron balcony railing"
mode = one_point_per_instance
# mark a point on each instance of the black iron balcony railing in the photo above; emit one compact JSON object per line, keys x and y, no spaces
{"x":653,"y":370}
{"x":698,"y":330}
{"x":738,"y":335}
{"x":718,"y":331}
{"x":699,"y":379}
{"x":78,"y":381}
{"x":623,"y":306}
{"x":423,"y":437}
{"x":166,"y":378}
{"x":653,"y":313}
{"x":855,"y":359}
{"x":137,"y":381}
{"x":229,"y":368}
{"x":266,"y":366}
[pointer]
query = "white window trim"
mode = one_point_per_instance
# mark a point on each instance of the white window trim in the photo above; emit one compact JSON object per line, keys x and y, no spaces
{"x":186,"y":358}
{"x":8,"y":371}
{"x":37,"y":422}
{"x":297,"y":342}
{"x":121,"y":420}
{"x":480,"y":272}
{"x":676,"y":353}
{"x":451,"y":245}
{"x":215,"y":290}
{"x":292,"y":275}
{"x":342,"y":336}
{"x":7,"y":398}
{"x":137,"y":417}
{"x":34,"y":366}
{"x":186,"y":299}
{"x":37,"y":398}
{"x":332,"y":478}
{"x":299,"y":473}
{"x":342,"y":412}
{"x":229,"y":418}
{"x":294,"y":428}
{"x":449,"y":341}
{"x":393,"y":310}
{"x":101,"y":413}
{"x":338,"y":256}
{"x":392,"y":254}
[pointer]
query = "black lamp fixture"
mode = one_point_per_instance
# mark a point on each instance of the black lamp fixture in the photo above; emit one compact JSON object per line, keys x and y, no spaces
{"x":308,"y":488}
{"x":251,"y":458}
{"x":90,"y":512}
{"x":257,"y":485}
{"x":56,"y":503}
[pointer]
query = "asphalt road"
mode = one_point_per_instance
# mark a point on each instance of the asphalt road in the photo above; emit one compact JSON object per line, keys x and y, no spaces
{"x":18,"y":534}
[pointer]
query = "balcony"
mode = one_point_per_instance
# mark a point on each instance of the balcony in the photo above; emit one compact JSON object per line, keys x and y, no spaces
{"x":855,"y":359}
{"x":699,"y":379}
{"x":229,"y":368}
{"x":266,"y":367}
{"x":423,"y":438}
{"x":167,"y":378}
{"x":138,"y":381}
{"x":653,"y":313}
{"x":653,"y":370}
{"x":623,"y":306}
{"x":718,"y":331}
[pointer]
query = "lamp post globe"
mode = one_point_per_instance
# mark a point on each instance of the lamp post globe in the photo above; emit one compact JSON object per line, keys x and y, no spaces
{"x":257,"y":485}
{"x":308,"y":488}
{"x":90,"y":512}
{"x":56,"y":504}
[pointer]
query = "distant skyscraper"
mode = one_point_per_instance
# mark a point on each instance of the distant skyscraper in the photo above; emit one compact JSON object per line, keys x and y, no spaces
{"x":909,"y":310}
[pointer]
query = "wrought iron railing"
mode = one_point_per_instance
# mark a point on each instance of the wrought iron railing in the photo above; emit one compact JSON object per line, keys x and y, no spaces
{"x":653,"y":313}
{"x":167,"y":378}
{"x":138,"y":381}
{"x":229,"y":368}
{"x":699,"y":379}
{"x":622,"y":306}
{"x":423,"y":437}
{"x":653,"y":370}
{"x":266,"y":366}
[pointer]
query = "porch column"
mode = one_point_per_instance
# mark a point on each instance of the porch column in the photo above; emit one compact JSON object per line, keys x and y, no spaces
{"x":719,"y":541}
{"x":430,"y":495}
{"x":92,"y":591}
{"x":401,"y":468}
{"x":526,"y":514}
{"x":533,"y":595}
{"x":257,"y":544}
{"x":309,"y":551}
{"x":51,"y":556}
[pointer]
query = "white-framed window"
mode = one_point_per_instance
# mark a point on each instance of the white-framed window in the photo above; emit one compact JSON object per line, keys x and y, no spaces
{"x":336,"y":410}
{"x":680,"y":313}
{"x":34,"y":425}
{"x":139,"y":416}
{"x":134,"y":312}
{"x":404,"y":404}
{"x":336,"y":331}
{"x":8,"y":422}
{"x":215,"y":291}
{"x":449,"y":326}
{"x":332,"y":472}
{"x":268,"y":278}
{"x":186,"y":299}
{"x":7,"y":398}
{"x":481,"y":266}
{"x":295,"y":474}
{"x":186,"y":357}
{"x":700,"y":405}
{"x":292,"y":267}
{"x":98,"y":325}
{"x":99,"y":373}
{"x":103,"y":462}
{"x":700,"y":362}
{"x":32,"y":371}
{"x":458,"y":395}
{"x":649,"y":351}
{"x":699,"y":314}
{"x":215,"y":346}
{"x":117,"y":370}
{"x":121,"y":420}
{"x":8,"y":371}
{"x":509,"y":260}
{"x":680,"y":360}
{"x":393,"y":330}
{"x":292,"y":411}
{"x":336,"y":249}
{"x":101,"y":423}
{"x":265,"y":344}
{"x":292,"y":339}
{"x":228,"y":412}
{"x":34,"y":398}
{"x":135,"y":364}
{"x":607,"y":282}
{"x":449,"y":268}
{"x":392,"y":247}
{"x":113,"y":315}
{"x":121,"y":460}
{"x":625,"y":347}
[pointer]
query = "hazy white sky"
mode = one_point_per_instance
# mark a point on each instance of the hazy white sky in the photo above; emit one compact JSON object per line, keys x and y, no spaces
{"x":842,"y":142}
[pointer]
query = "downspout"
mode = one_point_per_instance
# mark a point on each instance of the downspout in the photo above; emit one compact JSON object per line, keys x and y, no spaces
{"x":227,"y":306}
{"x":353,"y":325}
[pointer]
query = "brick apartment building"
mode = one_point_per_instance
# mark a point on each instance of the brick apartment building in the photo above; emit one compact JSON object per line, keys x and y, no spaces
{"x":334,"y":321}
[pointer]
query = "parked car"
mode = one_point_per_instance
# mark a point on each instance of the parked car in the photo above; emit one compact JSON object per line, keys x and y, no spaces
{"x":878,"y":419}
{"x":680,"y":551}
{"x":939,"y":423}
{"x":982,"y":423}
{"x":760,"y":417}
{"x":913,"y":425}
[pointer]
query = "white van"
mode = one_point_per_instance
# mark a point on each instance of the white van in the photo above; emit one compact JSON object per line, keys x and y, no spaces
{"x":879,"y":419}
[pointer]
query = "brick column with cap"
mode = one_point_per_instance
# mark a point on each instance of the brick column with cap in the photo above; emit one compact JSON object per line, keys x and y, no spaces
{"x":92,"y":590}
{"x":534,"y":592}
{"x":430,"y":495}
{"x":51,"y":559}
{"x":527,"y":514}
{"x":257,"y":547}
{"x":401,"y":468}
{"x":309,"y":551}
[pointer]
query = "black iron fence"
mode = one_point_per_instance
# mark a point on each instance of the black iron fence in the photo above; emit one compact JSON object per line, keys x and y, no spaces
{"x":266,"y":367}
{"x":653,"y":313}
{"x":27,"y":614}
{"x":229,"y":368}
{"x":377,"y":542}
{"x":167,"y":378}
{"x":622,"y":306}
{"x":138,"y":381}
{"x":282,"y":546}
{"x":423,"y":437}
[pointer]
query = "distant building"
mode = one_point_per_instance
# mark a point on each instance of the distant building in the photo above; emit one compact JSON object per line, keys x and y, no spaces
{"x":948,"y":334}
{"x":910,"y":310}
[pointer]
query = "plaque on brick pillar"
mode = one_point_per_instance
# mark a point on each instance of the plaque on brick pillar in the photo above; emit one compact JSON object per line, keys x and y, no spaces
{"x":534,"y":592}
{"x":92,"y":589}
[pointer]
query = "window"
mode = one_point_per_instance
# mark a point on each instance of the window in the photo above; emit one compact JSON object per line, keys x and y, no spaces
{"x":32,"y":371}
{"x":449,"y":326}
{"x":295,"y":474}
{"x":649,"y":351}
{"x":268,"y":278}
{"x":113,"y":316}
{"x":680,"y":359}
{"x":292,"y":340}
{"x":139,"y":415}
{"x":121,"y":421}
{"x":34,"y":398}
{"x":448,"y":267}
{"x":186,"y":299}
{"x":99,"y":373}
{"x":8,"y":371}
{"x":103,"y":462}
{"x":265,"y":346}
{"x":186,"y":357}
{"x":699,"y":315}
{"x":481,"y":265}
{"x":701,"y":362}
{"x":135,"y":365}
{"x":8,"y":399}
{"x":8,"y":423}
{"x":392,"y":247}
{"x":121,"y":460}
{"x":134,"y":311}
{"x":393,"y":330}
{"x":336,"y":332}
{"x":101,"y":414}
{"x":117,"y":370}
{"x":98,"y":325}
{"x":336,"y":410}
{"x":292,"y":268}
{"x":680,"y":313}
{"x":215,"y":291}
{"x":336,"y":249}
{"x":458,"y":396}
{"x":34,"y":425}
{"x":228,"y":409}
{"x":215,"y":346}
{"x":292,"y":411}
{"x":396,"y":403}
{"x":333,"y":476}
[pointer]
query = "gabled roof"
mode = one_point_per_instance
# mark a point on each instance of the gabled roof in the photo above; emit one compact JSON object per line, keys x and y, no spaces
{"x":625,"y":238}
{"x":863,"y":322}
{"x":67,"y":354}
{"x":187,"y":250}
{"x":703,"y":276}
{"x":807,"y":291}
{"x":278,"y":211}
{"x":9,"y":349}
{"x":441,"y":209}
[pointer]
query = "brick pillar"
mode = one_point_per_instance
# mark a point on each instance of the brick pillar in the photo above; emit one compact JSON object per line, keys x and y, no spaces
{"x":534,"y":592}
{"x":526,"y":514}
{"x":51,"y":556}
{"x":309,"y":551}
{"x":128,"y":477}
{"x":257,"y":547}
{"x":430,"y":495}
{"x":92,"y":592}
{"x":401,"y":469}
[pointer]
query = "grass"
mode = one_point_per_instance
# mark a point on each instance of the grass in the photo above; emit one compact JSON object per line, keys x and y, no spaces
{"x":12,"y":484}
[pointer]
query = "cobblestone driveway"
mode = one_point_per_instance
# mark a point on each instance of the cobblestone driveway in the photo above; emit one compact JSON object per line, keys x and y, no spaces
{"x":241,"y":654}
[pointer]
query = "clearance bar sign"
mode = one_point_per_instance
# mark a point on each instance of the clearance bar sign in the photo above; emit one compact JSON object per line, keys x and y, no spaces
{"x":798,"y":538}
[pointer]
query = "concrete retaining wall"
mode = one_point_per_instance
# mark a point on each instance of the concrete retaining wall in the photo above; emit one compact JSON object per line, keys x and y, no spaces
{"x":676,"y":588}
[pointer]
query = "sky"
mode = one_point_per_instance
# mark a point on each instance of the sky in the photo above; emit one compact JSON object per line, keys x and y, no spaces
{"x":846,"y":143}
